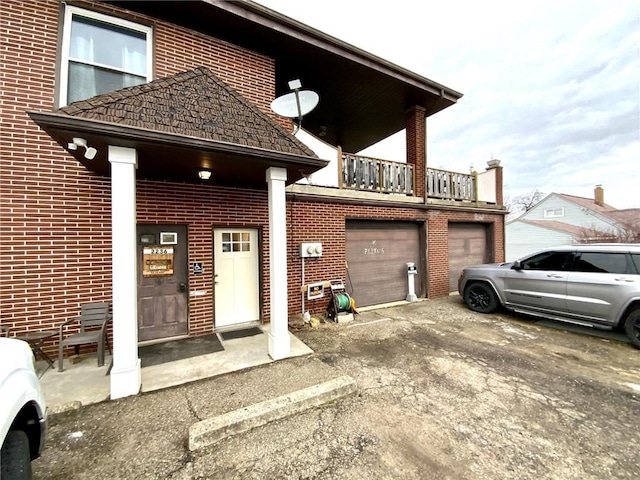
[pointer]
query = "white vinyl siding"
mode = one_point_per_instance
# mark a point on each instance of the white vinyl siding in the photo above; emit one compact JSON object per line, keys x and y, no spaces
{"x":101,"y":54}
{"x":573,"y":214}
{"x":523,"y":239}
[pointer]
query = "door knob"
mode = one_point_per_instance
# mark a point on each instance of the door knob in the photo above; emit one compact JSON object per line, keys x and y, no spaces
{"x":182,"y":287}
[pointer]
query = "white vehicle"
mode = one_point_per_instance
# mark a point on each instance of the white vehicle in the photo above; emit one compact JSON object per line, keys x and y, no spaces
{"x":23,"y":412}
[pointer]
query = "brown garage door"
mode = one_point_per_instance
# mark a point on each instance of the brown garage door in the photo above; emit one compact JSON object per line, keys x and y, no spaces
{"x":467,"y":246}
{"x":377,"y":256}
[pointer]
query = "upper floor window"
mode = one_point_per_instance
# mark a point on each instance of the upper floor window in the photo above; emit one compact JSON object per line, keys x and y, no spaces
{"x":101,"y":54}
{"x":554,"y":212}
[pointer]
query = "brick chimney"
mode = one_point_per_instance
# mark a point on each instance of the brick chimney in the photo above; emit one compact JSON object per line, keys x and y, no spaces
{"x":598,"y":196}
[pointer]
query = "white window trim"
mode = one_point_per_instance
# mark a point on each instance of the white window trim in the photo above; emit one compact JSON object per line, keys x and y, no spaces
{"x":69,"y":13}
{"x":549,"y":212}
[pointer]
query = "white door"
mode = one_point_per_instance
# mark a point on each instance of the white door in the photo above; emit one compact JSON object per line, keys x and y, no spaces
{"x":236,"y":276}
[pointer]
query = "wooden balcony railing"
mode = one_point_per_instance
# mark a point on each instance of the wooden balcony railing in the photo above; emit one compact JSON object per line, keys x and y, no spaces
{"x":373,"y":174}
{"x":451,"y":185}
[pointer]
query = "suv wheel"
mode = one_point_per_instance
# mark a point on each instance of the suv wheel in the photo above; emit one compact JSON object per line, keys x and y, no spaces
{"x":481,"y":298}
{"x":632,"y":327}
{"x":16,"y":457}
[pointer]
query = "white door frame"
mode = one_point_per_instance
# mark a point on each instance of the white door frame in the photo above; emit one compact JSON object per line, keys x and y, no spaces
{"x":236,"y":276}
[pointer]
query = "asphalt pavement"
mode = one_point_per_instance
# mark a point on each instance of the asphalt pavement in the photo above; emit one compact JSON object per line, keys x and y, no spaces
{"x":439,"y":392}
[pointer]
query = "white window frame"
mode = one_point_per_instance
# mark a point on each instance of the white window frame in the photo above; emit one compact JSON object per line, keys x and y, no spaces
{"x":69,"y":13}
{"x":551,"y":212}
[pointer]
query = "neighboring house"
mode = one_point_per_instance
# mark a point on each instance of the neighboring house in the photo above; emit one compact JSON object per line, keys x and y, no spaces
{"x":560,"y":219}
{"x":142,"y":165}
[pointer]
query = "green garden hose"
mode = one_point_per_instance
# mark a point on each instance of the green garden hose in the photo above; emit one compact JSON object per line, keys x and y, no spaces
{"x":343,"y":301}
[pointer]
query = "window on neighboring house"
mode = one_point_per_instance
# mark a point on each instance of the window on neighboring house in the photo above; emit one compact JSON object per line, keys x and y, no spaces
{"x":554,"y":212}
{"x":101,"y":54}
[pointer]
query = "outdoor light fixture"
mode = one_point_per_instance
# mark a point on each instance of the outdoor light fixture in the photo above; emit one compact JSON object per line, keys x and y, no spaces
{"x":89,"y":153}
{"x":204,"y":174}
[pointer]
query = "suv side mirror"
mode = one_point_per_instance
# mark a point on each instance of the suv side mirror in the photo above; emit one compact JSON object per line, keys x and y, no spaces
{"x":516,"y":265}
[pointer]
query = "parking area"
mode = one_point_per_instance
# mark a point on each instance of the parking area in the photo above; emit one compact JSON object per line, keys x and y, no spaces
{"x":442,"y":392}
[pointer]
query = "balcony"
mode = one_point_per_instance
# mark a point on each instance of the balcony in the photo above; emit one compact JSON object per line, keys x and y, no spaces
{"x":384,"y":176}
{"x":455,"y":186}
{"x":375,"y":175}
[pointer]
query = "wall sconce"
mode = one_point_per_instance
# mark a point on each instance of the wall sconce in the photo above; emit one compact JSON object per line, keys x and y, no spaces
{"x":89,"y":153}
{"x":204,"y":174}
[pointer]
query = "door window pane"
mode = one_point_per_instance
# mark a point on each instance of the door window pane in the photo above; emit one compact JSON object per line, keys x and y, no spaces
{"x":236,"y":242}
{"x":553,"y":261}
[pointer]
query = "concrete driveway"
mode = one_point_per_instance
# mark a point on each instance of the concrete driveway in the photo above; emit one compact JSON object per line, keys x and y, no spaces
{"x":442,"y":393}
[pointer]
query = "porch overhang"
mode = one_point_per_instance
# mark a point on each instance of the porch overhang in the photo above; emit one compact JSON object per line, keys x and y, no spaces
{"x":173,"y":157}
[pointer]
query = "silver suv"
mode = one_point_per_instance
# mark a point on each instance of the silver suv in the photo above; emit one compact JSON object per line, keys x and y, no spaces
{"x":592,"y":285}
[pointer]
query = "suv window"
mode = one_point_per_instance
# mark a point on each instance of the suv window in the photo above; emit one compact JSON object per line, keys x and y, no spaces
{"x":636,"y":260}
{"x":555,"y":261}
{"x":605,"y":263}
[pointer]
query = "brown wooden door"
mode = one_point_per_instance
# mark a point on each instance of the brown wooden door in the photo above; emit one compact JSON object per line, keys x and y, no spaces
{"x":377,"y":256}
{"x":163,"y":290}
{"x":468,"y":245}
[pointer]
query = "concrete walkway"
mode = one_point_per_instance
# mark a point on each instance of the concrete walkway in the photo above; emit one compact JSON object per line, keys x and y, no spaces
{"x":85,"y":383}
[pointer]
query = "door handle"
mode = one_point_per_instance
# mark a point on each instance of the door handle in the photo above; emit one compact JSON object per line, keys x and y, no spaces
{"x":554,"y":275}
{"x":182,"y":287}
{"x":629,"y":280}
{"x":215,"y":276}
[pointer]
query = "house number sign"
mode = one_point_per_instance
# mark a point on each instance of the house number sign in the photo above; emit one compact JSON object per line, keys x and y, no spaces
{"x":157,"y":261}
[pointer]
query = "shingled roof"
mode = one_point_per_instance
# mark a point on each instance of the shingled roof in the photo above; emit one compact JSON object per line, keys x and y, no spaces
{"x":194,"y":103}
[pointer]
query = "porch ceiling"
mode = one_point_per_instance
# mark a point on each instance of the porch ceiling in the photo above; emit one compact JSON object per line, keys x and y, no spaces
{"x":174,"y":157}
{"x":362,"y":97}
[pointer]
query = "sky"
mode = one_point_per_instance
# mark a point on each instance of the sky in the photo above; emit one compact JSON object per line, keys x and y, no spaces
{"x":551,"y":88}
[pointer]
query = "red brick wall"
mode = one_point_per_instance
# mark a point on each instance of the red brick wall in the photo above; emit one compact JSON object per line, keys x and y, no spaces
{"x":312,"y":221}
{"x":55,"y":216}
{"x":202,"y":208}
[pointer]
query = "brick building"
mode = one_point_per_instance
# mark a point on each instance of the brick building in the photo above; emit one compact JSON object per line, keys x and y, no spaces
{"x":111,"y":111}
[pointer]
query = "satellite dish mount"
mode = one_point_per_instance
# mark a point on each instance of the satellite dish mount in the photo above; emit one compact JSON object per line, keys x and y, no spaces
{"x":295,"y":104}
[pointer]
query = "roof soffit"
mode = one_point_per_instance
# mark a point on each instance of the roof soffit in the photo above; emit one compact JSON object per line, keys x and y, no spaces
{"x":363,"y":98}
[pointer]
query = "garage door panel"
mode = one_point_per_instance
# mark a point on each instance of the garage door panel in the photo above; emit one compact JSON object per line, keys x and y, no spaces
{"x":377,"y":256}
{"x":467,"y":246}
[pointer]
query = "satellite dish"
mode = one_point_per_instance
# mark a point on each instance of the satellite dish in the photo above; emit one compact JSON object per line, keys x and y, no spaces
{"x":287,"y":104}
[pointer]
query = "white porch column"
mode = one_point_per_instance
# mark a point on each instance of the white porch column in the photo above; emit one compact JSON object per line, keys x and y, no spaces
{"x":279,"y":340}
{"x":125,"y":373}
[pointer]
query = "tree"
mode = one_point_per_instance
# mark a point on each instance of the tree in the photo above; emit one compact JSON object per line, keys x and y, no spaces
{"x":523,"y":203}
{"x":595,"y":234}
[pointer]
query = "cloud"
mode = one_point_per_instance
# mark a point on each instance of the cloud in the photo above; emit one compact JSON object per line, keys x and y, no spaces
{"x":551,"y":88}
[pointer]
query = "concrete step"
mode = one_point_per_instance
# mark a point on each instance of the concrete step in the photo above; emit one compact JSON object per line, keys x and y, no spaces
{"x":212,"y":430}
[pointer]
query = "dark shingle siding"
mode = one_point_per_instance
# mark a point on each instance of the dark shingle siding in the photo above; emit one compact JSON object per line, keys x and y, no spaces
{"x":194,"y":103}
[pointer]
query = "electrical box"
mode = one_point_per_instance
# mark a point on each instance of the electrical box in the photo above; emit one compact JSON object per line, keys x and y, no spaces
{"x":311,"y":250}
